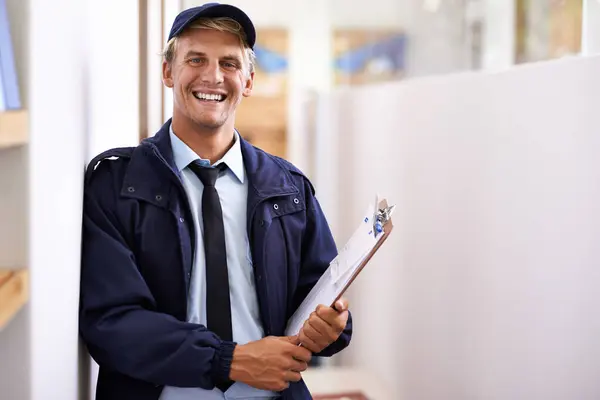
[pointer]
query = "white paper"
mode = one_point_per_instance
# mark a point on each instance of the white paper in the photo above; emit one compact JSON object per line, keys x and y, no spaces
{"x":340,"y":272}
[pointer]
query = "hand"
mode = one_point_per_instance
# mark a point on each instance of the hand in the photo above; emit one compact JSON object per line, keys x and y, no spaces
{"x":270,"y":363}
{"x":324,"y":326}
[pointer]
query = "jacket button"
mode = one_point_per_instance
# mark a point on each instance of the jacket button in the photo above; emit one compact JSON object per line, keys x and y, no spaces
{"x":275,"y":206}
{"x":158,"y":197}
{"x":182,"y":220}
{"x":296,"y":201}
{"x":131,"y":189}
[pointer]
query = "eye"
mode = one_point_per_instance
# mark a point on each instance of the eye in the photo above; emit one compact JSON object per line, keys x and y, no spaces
{"x":195,"y":60}
{"x":229,"y":65}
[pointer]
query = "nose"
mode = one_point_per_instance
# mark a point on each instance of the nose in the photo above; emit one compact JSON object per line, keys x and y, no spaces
{"x":212,"y":74}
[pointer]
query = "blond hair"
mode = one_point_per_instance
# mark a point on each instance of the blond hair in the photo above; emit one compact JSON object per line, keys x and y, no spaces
{"x":222,"y":24}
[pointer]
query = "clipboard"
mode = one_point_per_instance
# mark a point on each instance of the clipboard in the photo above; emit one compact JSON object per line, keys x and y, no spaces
{"x":373,"y":230}
{"x":386,"y":228}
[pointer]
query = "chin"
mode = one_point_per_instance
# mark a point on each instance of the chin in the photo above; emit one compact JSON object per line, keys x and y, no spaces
{"x":210,"y":123}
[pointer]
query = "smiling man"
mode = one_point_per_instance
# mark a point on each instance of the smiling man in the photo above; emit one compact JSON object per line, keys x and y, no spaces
{"x":198,"y":247}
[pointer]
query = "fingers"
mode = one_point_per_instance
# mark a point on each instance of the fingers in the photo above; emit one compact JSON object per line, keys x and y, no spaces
{"x":310,"y":344}
{"x":280,"y":387}
{"x":284,"y":357}
{"x":326,"y":313}
{"x":292,"y":348}
{"x":292,"y":376}
{"x":324,"y":326}
{"x":301,"y":353}
{"x":291,"y":339}
{"x":320,"y":328}
{"x":340,"y":323}
{"x":337,"y":320}
{"x":297,"y":366}
{"x":288,"y":376}
{"x":319,"y":333}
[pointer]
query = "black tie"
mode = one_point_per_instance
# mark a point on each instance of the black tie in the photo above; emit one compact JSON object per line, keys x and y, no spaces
{"x":218,"y":304}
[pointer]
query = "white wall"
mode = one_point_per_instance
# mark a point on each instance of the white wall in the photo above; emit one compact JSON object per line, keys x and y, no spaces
{"x":114,"y":71}
{"x":437,"y":38}
{"x":590,"y":41}
{"x":378,"y":14}
{"x":169,"y":12}
{"x":113,"y":106}
{"x":155,"y":88}
{"x":487,"y":288}
{"x":498,"y":34}
{"x":57,"y":103}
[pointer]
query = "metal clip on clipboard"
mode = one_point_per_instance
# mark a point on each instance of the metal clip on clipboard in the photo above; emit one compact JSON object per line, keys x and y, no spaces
{"x":382,"y":216}
{"x":382,"y":227}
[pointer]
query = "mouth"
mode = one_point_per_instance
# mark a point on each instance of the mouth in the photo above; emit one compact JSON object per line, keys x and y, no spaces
{"x":216,"y":98}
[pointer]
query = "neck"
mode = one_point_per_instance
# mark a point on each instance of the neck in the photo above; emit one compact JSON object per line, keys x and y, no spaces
{"x":209,"y":144}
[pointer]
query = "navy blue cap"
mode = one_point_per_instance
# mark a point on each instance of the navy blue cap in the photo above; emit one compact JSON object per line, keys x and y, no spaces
{"x":214,"y":10}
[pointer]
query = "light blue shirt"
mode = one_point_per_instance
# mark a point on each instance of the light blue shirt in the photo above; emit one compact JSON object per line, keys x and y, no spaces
{"x":232,"y":187}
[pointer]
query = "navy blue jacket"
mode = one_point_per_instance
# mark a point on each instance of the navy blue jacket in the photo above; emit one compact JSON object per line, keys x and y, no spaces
{"x":137,"y":259}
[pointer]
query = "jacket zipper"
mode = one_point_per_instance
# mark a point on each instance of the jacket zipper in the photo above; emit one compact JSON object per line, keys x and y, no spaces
{"x":188,"y":210}
{"x":251,"y":216}
{"x":261,"y":267}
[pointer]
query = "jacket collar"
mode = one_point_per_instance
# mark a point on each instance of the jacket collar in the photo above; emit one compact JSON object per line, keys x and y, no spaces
{"x":267,"y":176}
{"x":184,"y":156}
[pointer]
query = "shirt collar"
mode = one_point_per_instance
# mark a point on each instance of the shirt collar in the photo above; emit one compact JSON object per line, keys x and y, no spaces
{"x":183,"y":155}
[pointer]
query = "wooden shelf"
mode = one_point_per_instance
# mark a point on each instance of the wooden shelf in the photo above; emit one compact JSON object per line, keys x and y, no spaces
{"x":14,"y":128}
{"x":14,"y":293}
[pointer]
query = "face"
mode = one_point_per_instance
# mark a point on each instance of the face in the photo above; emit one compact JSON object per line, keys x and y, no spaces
{"x":208,"y":77}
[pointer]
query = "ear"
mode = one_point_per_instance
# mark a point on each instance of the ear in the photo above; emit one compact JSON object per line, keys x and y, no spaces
{"x":249,"y":85}
{"x":167,"y":74}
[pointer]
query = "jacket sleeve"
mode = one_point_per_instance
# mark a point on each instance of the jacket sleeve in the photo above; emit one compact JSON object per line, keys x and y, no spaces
{"x":318,"y":249}
{"x":118,"y":318}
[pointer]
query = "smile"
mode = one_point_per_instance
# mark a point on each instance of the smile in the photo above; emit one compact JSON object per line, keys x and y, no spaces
{"x":209,"y":97}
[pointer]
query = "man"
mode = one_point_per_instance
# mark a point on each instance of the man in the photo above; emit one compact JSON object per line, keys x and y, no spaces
{"x":198,"y":247}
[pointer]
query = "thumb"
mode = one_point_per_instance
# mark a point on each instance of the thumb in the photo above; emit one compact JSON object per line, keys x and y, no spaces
{"x":341,"y":305}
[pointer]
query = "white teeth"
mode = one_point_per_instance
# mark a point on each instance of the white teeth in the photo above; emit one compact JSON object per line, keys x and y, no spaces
{"x":206,"y":96}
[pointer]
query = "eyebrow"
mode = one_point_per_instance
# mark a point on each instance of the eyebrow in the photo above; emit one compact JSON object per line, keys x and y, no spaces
{"x":229,"y":57}
{"x":192,"y":53}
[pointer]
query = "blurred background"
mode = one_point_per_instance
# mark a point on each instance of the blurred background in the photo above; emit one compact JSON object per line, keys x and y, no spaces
{"x":477,"y":118}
